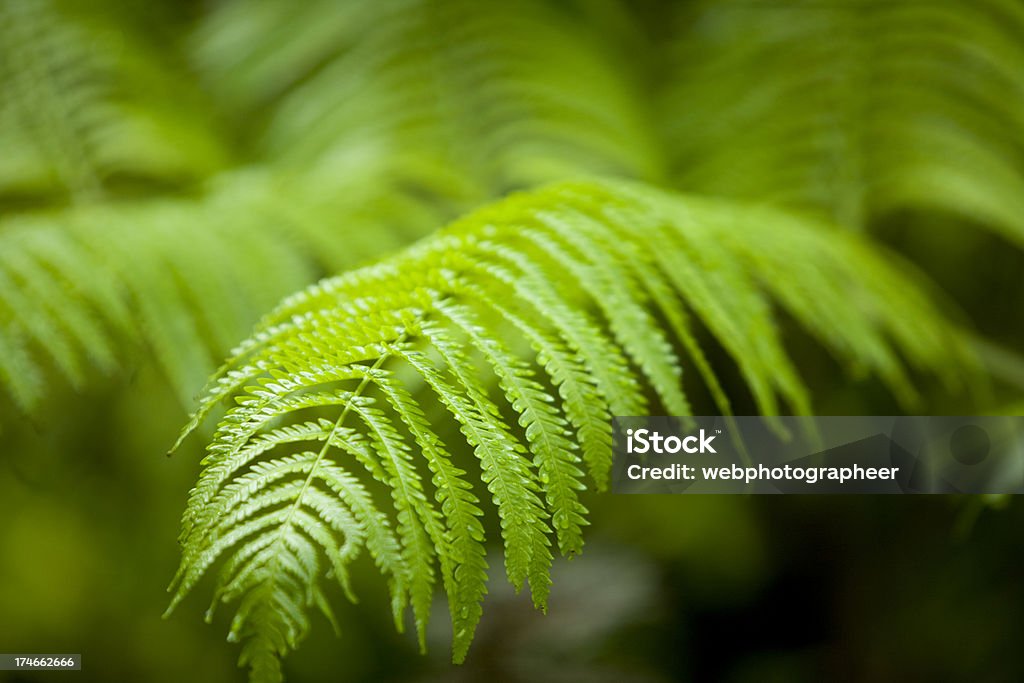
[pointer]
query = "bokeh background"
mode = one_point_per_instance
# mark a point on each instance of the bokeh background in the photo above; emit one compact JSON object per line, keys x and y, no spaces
{"x":170,"y":169}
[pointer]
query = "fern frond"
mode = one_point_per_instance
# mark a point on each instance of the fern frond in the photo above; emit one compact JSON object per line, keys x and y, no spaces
{"x":555,"y":295}
{"x":464,"y":99}
{"x":853,"y":108}
{"x":81,"y":288}
{"x":88,"y":108}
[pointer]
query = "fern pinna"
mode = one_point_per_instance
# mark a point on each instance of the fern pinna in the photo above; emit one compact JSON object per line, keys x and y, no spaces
{"x":571,"y":299}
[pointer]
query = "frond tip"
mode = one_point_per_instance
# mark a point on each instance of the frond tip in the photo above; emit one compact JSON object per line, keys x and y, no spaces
{"x":559,"y":308}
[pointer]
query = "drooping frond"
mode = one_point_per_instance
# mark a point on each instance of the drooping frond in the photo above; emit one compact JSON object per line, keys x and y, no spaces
{"x":182,"y":278}
{"x":546,"y":307}
{"x":853,"y":107}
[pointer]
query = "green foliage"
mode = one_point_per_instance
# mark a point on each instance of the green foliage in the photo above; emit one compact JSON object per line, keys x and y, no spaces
{"x":157,"y":195}
{"x":184,"y":270}
{"x":556,"y":295}
{"x":89,"y":109}
{"x":853,"y":108}
{"x":453,"y":96}
{"x":335,"y":132}
{"x":84,"y":286}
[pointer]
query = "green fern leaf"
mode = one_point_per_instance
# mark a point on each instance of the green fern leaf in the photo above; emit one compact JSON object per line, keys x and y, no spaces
{"x":554,"y":295}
